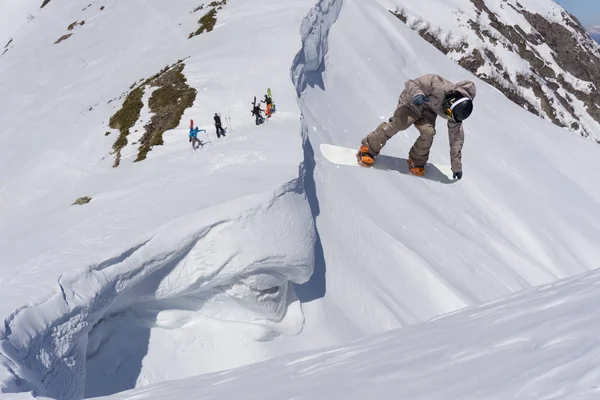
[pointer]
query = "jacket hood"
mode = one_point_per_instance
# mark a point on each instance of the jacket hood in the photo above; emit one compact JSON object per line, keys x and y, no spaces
{"x":466,"y":88}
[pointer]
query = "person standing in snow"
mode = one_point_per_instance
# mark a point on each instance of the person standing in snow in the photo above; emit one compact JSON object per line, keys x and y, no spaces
{"x":422,"y":101}
{"x":218,"y":126}
{"x":256,"y":111}
{"x":268,"y":102}
{"x":194,"y":137}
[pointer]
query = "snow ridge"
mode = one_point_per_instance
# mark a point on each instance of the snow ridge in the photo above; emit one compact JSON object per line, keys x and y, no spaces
{"x":307,"y":69}
{"x":309,"y":63}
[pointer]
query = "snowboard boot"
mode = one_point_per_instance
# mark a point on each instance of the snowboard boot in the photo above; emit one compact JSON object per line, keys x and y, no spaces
{"x":365,"y":158}
{"x":418,"y":171}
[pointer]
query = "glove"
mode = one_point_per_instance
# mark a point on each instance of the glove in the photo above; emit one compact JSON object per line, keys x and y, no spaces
{"x":457,"y":175}
{"x":420,"y":99}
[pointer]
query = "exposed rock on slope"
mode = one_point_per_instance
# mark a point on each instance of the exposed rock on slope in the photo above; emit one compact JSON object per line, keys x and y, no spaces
{"x":537,"y":54}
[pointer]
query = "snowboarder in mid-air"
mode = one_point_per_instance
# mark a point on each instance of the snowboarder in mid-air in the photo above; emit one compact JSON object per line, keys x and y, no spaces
{"x":219,"y":126}
{"x":194,"y":138}
{"x":421,"y":102}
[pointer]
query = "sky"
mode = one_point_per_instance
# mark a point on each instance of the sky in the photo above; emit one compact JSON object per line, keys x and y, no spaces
{"x":587,"y":11}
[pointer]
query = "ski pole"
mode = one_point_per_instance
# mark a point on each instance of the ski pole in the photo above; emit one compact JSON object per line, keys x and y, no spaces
{"x":205,"y":133}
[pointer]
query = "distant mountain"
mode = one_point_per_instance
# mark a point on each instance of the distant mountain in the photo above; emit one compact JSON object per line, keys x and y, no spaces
{"x":594,"y":32}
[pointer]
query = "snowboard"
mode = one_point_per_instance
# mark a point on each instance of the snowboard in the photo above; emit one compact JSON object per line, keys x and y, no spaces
{"x":272,"y":101}
{"x":346,"y":156}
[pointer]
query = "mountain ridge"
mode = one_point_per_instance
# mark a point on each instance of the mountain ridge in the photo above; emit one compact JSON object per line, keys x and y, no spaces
{"x":537,"y":54}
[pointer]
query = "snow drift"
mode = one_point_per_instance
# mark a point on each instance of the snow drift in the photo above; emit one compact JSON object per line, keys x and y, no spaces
{"x":541,"y":343}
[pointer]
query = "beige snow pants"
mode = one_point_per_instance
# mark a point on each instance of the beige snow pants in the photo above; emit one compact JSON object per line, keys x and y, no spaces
{"x":402,"y":119}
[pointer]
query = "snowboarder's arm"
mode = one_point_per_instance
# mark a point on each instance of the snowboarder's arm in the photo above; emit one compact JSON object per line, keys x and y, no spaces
{"x":413,"y":88}
{"x":456,"y":135}
{"x":420,"y":86}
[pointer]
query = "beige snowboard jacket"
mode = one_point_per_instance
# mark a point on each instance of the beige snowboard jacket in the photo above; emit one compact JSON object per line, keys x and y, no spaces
{"x":435,"y":88}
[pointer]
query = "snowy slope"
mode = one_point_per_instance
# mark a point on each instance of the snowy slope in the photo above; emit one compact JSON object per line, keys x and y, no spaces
{"x":184,"y":260}
{"x":138,"y":257}
{"x":539,"y":344}
{"x":400,"y":250}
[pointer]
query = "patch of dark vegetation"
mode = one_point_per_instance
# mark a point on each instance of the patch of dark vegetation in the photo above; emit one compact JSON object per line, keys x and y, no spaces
{"x":63,"y":38}
{"x":45,"y":3}
{"x":400,"y":14}
{"x":168,"y":103}
{"x":102,"y":8}
{"x":472,"y":62}
{"x":207,"y":23}
{"x":566,"y":104}
{"x":573,"y":22}
{"x":510,"y":90}
{"x":431,"y":35}
{"x":475,"y":27}
{"x":124,"y":119}
{"x":208,"y":20}
{"x":590,"y":99}
{"x":435,"y":38}
{"x":567,"y":51}
{"x":75,"y":24}
{"x":493,"y":59}
{"x":200,"y":7}
{"x":515,"y":8}
{"x":529,"y":81}
{"x":481,"y":7}
{"x":82,"y":200}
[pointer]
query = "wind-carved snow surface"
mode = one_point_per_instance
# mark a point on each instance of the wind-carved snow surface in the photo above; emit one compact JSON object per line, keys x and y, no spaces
{"x":538,"y":344}
{"x":236,"y":269}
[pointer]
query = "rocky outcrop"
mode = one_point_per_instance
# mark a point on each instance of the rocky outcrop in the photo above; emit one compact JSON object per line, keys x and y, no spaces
{"x":562,"y":79}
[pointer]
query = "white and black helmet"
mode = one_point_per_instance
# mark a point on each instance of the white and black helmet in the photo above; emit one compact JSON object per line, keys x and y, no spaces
{"x":457,"y":106}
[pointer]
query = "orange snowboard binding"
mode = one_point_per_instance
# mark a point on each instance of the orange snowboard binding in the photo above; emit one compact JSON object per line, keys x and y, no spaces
{"x":364,"y":158}
{"x":418,"y":171}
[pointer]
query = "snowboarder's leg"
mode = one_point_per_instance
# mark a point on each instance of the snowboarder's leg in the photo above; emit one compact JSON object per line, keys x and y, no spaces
{"x":372,"y":144}
{"x":419,"y":153}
